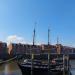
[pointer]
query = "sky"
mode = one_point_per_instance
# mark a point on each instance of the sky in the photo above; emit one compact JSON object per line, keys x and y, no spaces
{"x":18,"y":18}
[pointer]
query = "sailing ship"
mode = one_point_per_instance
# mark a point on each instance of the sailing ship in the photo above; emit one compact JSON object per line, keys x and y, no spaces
{"x":55,"y":66}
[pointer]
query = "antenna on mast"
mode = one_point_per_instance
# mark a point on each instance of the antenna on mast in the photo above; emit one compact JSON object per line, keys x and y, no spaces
{"x":57,"y":40}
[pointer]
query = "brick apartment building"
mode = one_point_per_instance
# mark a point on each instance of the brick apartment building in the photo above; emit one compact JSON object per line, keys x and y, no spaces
{"x":48,"y":48}
{"x":19,"y":48}
{"x":3,"y":50}
{"x":14,"y":48}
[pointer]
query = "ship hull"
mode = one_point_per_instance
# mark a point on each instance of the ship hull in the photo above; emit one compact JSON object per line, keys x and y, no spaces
{"x":37,"y":71}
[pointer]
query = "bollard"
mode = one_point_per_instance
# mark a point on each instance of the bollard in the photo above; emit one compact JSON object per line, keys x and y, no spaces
{"x":48,"y":63}
{"x":63,"y":65}
{"x":68,"y":66}
{"x":32,"y":57}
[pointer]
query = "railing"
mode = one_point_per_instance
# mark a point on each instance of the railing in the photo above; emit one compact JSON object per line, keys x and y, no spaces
{"x":64,"y":57}
{"x":8,"y":60}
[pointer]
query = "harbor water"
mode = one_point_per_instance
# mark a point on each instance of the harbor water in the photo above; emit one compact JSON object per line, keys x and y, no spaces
{"x":11,"y":68}
{"x":72,"y":68}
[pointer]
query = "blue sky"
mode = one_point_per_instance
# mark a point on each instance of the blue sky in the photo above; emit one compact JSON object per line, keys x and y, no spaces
{"x":18,"y":17}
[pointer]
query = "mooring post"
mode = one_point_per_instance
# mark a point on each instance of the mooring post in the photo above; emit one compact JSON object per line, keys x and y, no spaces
{"x":63,"y":64}
{"x":49,"y":62}
{"x":32,"y":58}
{"x":68,"y":66}
{"x":67,"y":62}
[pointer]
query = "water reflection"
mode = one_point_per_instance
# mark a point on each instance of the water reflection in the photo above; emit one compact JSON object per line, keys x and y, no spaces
{"x":72,"y":68}
{"x":10,"y":69}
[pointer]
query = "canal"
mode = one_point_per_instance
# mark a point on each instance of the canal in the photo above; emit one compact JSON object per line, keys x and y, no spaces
{"x":11,"y":68}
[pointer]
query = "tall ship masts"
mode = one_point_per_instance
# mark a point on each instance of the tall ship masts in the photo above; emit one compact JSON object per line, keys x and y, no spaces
{"x":57,"y":40}
{"x":34,"y":37}
{"x":48,"y":36}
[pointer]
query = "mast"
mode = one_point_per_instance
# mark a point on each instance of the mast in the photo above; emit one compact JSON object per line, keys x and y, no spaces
{"x":49,"y":50}
{"x":57,"y":40}
{"x":48,"y":36}
{"x":58,"y":46}
{"x":34,"y":37}
{"x":34,"y":31}
{"x":32,"y":52}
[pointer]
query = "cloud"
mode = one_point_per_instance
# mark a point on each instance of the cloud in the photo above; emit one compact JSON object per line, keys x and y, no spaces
{"x":15,"y":39}
{"x":18,"y":39}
